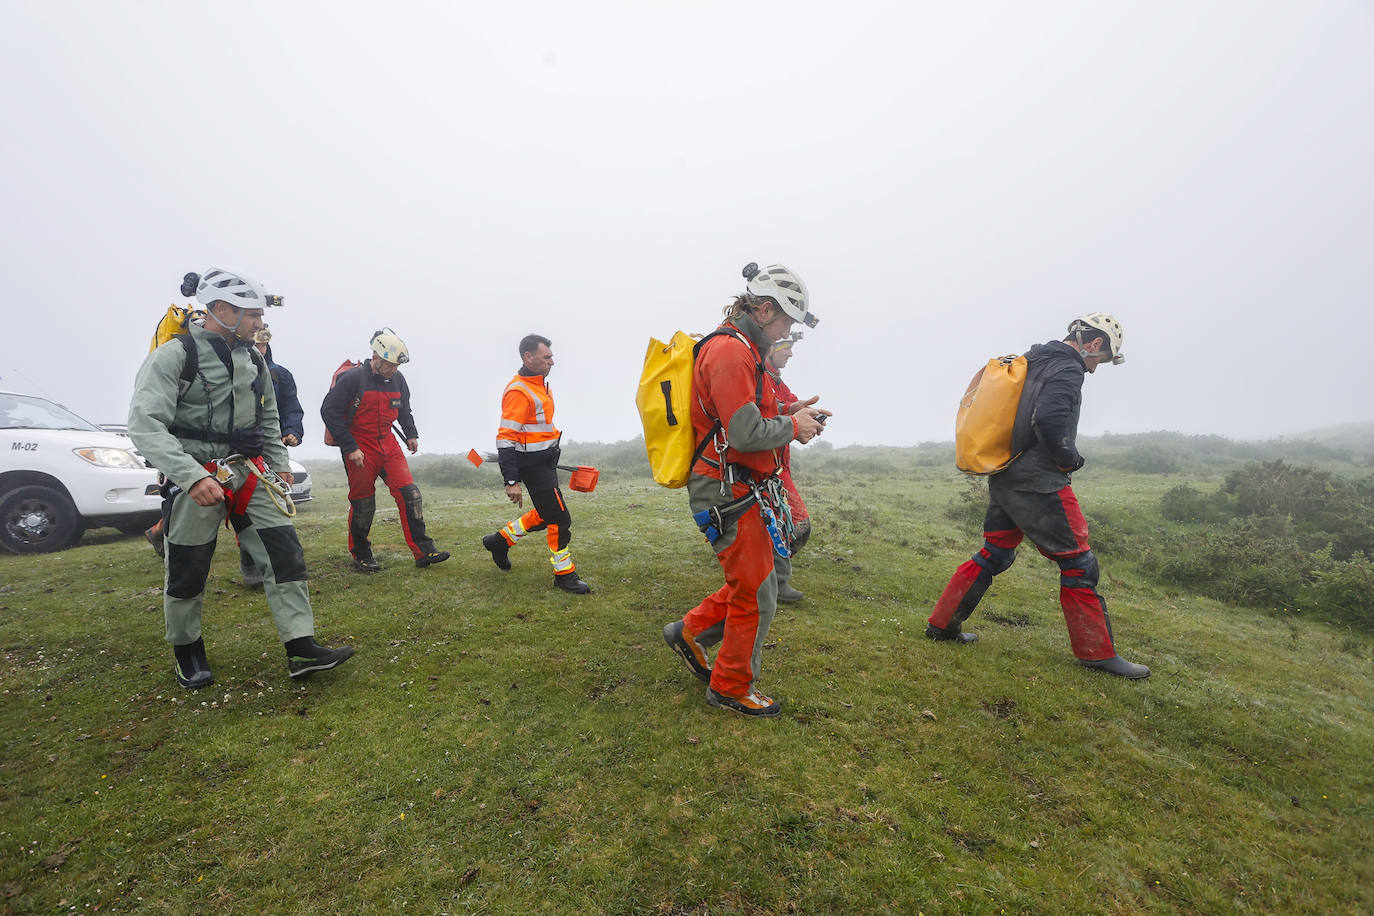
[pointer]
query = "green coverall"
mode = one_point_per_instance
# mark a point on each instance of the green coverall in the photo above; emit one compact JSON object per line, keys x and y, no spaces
{"x":213,"y":404}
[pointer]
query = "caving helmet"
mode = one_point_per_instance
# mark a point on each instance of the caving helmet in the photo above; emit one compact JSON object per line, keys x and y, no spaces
{"x":389,"y":347}
{"x":783,"y":287}
{"x":1101,"y":321}
{"x":218,"y":285}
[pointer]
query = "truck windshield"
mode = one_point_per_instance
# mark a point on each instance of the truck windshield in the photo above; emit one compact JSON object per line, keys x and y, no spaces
{"x":18,"y":411}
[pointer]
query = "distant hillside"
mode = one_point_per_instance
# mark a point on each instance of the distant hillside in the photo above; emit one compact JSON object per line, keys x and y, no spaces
{"x":1354,"y":436}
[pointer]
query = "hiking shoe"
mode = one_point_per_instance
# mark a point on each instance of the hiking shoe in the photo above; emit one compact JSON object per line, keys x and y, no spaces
{"x":752,"y":703}
{"x":155,"y":537}
{"x":500,"y":550}
{"x":301,"y":664}
{"x":680,"y":640}
{"x":787,"y":594}
{"x":429,"y":559}
{"x":953,"y":634}
{"x":569,"y":582}
{"x":1118,"y":666}
{"x":192,"y":667}
{"x":366,"y":563}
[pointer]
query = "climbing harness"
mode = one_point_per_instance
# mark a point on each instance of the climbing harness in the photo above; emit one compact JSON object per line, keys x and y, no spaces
{"x":256,"y":471}
{"x":772,"y":502}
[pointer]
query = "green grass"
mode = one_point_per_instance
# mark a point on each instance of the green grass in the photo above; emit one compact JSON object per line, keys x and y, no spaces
{"x":499,"y":747}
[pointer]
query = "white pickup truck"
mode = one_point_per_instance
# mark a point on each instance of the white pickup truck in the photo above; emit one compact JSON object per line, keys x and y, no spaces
{"x":60,"y":475}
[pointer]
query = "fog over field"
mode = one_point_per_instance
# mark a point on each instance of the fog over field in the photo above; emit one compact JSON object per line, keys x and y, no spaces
{"x":952,"y":181}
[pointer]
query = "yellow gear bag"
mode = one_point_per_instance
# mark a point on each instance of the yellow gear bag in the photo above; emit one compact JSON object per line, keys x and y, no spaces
{"x":987,"y":417}
{"x":176,"y":321}
{"x":664,"y":400}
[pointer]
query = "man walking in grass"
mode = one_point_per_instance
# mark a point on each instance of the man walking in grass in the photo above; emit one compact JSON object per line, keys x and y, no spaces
{"x":527,"y":448}
{"x":199,"y":399}
{"x":1033,"y":498}
{"x":360,"y":411}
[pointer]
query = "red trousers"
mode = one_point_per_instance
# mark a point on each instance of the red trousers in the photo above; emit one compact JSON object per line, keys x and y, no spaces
{"x":748,"y":565}
{"x":1055,"y":524}
{"x":385,"y":460}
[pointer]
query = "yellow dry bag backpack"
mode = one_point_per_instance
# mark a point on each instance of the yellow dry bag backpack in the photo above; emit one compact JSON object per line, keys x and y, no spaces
{"x":176,"y":321}
{"x":987,"y":417}
{"x":664,"y":400}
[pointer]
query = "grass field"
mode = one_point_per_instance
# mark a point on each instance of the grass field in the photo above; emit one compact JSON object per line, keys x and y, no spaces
{"x":497,"y":746}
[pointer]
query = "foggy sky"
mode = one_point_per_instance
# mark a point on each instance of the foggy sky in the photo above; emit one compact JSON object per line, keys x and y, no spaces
{"x":952,"y":181}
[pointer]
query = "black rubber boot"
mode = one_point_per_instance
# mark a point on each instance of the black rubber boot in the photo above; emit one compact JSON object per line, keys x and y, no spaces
{"x":304,"y":656}
{"x":500,"y":550}
{"x":1118,"y":666}
{"x":569,"y":582}
{"x":193,"y":669}
{"x":953,"y":634}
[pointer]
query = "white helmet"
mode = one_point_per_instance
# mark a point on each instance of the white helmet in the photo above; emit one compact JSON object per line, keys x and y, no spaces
{"x":1101,"y":321}
{"x":783,"y":287}
{"x":389,"y":347}
{"x":217,"y":285}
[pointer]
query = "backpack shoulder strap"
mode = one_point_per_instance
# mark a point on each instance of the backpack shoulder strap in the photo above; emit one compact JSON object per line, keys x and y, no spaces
{"x":190,"y":366}
{"x":259,"y":383}
{"x":716,"y":424}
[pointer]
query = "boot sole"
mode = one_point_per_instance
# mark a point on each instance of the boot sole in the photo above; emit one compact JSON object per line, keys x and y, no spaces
{"x":720,"y":701}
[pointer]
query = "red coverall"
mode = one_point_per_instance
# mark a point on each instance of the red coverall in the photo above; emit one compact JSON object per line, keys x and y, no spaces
{"x":725,"y":382}
{"x":359,"y":412}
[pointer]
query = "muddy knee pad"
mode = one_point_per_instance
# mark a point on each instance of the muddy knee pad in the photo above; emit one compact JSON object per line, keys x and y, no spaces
{"x":802,"y":535}
{"x":360,"y":517}
{"x":1079,"y":571}
{"x":285,"y":553}
{"x":415,"y":504}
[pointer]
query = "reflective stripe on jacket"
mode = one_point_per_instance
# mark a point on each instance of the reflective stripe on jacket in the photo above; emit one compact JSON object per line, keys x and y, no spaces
{"x":527,"y":416}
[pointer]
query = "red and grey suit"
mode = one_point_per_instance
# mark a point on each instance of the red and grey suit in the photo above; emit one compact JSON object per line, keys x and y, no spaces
{"x":359,"y":412}
{"x":728,"y":384}
{"x":1033,"y":498}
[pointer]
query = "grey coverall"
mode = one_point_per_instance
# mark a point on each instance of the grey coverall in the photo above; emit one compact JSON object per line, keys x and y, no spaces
{"x":213,"y":404}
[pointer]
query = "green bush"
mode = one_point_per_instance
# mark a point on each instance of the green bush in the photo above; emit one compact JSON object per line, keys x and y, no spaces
{"x":1344,"y":591}
{"x":1188,"y":504}
{"x":1148,"y":459}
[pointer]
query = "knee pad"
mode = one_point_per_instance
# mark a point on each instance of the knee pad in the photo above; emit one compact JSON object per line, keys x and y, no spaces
{"x":415,"y":505}
{"x":802,"y":535}
{"x":363,"y":511}
{"x":1079,"y":571}
{"x":187,"y":568}
{"x":284,"y":550}
{"x":995,"y":559}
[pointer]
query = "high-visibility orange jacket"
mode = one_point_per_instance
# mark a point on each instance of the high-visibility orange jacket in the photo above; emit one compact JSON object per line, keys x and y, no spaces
{"x":526,"y":419}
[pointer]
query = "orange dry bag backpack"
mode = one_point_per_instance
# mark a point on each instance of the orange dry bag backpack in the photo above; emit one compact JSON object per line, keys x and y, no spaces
{"x":987,"y":416}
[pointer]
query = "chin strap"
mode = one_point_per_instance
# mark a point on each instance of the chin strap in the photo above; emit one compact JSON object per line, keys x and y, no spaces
{"x":235,"y":329}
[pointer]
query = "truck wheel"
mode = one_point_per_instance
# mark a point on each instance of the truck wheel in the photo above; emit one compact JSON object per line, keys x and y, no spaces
{"x":37,"y":519}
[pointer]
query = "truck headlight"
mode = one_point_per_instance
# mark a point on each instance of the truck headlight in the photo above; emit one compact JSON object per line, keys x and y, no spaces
{"x":109,"y":457}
